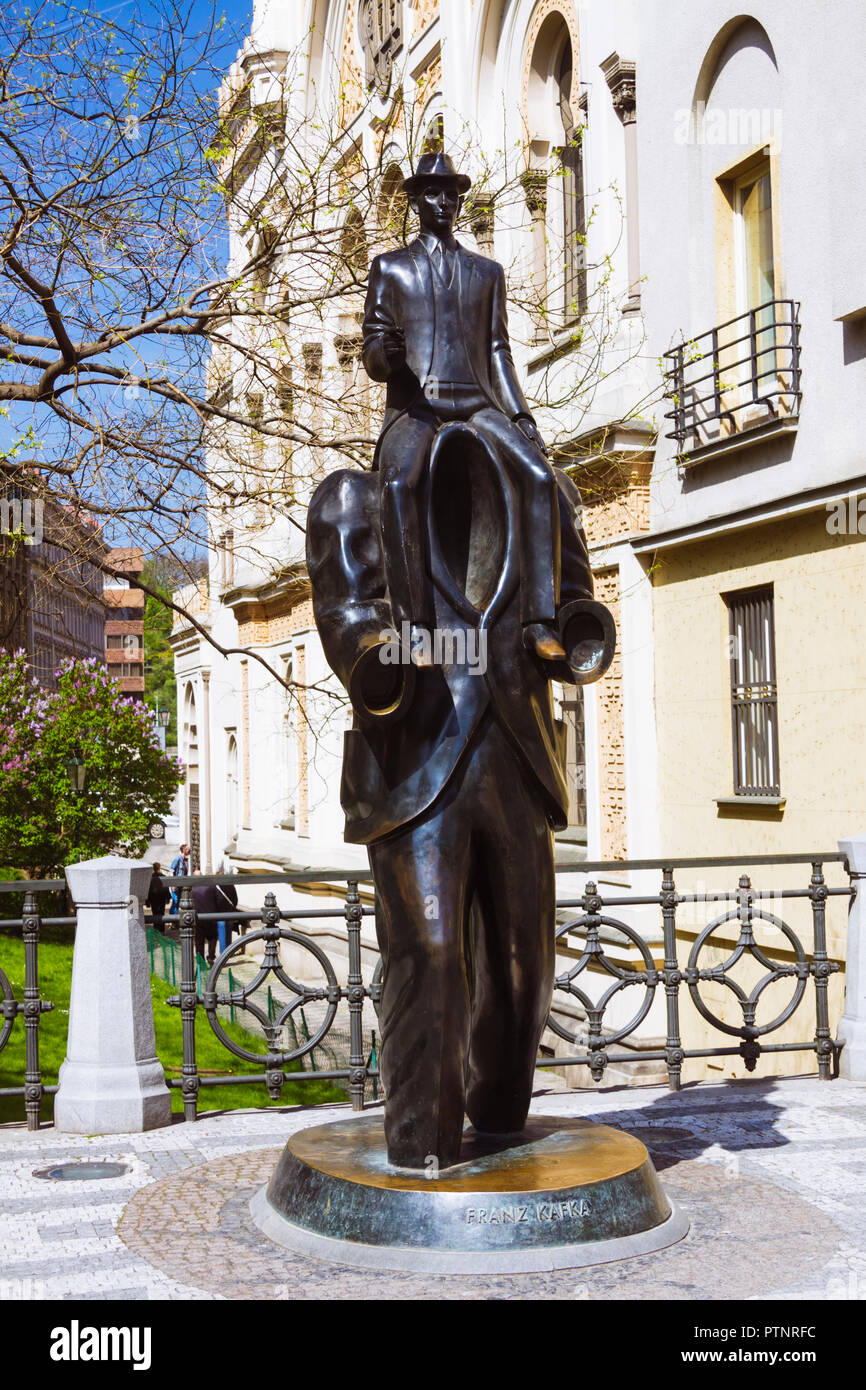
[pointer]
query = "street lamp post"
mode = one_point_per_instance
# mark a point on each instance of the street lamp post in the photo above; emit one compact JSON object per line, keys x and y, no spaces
{"x":162,"y":720}
{"x":76,"y":771}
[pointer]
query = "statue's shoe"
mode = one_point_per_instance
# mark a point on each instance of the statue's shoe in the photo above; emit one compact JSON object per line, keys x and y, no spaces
{"x":539,"y":639}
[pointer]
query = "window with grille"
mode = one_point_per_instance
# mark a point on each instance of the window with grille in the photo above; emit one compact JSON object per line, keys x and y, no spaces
{"x":575,"y":770}
{"x":754,"y":705}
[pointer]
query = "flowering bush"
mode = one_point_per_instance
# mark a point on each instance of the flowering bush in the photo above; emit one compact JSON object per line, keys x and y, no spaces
{"x":44,"y":824}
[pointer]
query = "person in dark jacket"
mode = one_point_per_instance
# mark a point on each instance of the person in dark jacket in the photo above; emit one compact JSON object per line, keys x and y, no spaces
{"x":157,"y":898}
{"x":208,"y":898}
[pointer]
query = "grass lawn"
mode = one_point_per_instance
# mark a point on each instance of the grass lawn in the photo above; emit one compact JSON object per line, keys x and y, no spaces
{"x":55,"y":970}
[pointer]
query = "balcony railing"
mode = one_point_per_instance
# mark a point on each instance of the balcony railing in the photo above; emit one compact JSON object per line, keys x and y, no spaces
{"x":738,"y":378}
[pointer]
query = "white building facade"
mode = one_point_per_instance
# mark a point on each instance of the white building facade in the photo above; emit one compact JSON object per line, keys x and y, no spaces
{"x":533,"y":99}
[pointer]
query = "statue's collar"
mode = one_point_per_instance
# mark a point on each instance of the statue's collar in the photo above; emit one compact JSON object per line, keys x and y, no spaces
{"x":430,"y":242}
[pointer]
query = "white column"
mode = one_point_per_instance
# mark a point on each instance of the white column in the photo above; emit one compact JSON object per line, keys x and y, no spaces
{"x":204,"y":777}
{"x":620,"y":76}
{"x":593,"y":772}
{"x":852,"y":1028}
{"x":534,"y":183}
{"x":638,"y":698}
{"x":111,"y":1081}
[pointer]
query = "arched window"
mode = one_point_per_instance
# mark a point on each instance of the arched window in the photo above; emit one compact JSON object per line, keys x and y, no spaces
{"x":570,"y":155}
{"x":434,"y":138}
{"x":553,"y":182}
{"x":393,"y":207}
{"x":233,"y":819}
{"x":353,"y":244}
{"x":748,"y":373}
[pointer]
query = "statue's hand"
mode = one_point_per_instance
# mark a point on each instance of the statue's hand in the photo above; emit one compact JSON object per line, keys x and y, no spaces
{"x":532,"y":432}
{"x":394,"y":343}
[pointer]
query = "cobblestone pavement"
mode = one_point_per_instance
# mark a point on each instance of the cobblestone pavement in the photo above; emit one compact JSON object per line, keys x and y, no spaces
{"x":770,"y":1173}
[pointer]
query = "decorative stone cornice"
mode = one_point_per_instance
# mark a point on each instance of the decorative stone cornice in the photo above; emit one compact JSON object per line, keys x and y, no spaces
{"x":270,"y":599}
{"x":481,"y":218}
{"x":621,"y":78}
{"x":534,"y":185}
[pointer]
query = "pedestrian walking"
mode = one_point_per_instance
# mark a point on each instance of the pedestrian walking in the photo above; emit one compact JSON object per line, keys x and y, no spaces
{"x":157,"y":898}
{"x":227,"y":896}
{"x":209,"y":899}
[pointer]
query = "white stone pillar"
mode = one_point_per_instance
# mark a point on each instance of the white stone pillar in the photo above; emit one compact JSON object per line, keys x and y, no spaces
{"x":205,"y":787}
{"x":621,"y":79}
{"x":111,"y":1081}
{"x":852,"y":1028}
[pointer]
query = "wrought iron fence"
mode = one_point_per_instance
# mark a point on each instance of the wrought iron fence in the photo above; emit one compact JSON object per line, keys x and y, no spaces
{"x":310,"y":1014}
{"x":329,"y":1054}
{"x":31,"y":1006}
{"x":594,"y":928}
{"x":327,"y":995}
{"x":747,"y":909}
{"x":718,"y":376}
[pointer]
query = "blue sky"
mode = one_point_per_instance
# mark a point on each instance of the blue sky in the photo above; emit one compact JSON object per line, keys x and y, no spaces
{"x":238,"y":13}
{"x":66,"y":17}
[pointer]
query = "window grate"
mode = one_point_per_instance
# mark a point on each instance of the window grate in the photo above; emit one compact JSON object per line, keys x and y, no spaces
{"x":754,"y":703}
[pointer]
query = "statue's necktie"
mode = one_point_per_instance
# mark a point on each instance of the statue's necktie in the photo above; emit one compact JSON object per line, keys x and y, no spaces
{"x":443,"y":264}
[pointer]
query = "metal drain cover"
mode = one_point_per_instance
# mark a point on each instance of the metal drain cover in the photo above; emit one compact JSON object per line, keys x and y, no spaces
{"x":85,"y":1171}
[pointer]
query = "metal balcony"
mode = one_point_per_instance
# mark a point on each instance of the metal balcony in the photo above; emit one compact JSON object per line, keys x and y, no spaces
{"x":738,"y":381}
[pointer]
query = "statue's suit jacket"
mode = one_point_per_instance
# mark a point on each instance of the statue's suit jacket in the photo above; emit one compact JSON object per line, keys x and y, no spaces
{"x":393,"y":772}
{"x":401,"y":295}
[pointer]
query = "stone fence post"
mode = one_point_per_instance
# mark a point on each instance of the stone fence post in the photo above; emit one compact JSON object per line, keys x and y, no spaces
{"x":111,"y":1081}
{"x":852,"y":1028}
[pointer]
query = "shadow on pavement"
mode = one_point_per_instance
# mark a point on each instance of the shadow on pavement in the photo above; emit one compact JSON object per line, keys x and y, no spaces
{"x":681,"y":1125}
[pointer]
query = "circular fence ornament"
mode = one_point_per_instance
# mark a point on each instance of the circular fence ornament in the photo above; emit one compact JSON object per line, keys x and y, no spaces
{"x":271,"y":967}
{"x":746,"y":944}
{"x":593,"y":955}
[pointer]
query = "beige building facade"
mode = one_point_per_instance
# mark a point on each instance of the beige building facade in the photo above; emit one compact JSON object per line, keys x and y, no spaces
{"x":751,"y":200}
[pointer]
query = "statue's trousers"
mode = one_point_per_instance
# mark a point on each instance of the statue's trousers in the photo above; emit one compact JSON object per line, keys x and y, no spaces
{"x":466,"y":923}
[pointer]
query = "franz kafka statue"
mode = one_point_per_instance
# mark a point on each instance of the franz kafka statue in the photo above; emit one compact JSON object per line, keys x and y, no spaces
{"x":451,"y":587}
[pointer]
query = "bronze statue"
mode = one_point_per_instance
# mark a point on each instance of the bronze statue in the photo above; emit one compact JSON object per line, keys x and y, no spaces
{"x":454,"y":771}
{"x":435,"y":330}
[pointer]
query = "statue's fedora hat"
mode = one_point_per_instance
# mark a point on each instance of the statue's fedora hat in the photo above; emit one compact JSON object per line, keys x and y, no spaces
{"x":435,"y":167}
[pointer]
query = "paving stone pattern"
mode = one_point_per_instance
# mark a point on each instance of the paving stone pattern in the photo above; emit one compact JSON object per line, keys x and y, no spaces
{"x":770,"y":1173}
